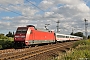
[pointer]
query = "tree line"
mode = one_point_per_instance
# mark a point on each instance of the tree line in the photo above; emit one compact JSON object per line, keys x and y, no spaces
{"x":80,"y":34}
{"x":3,"y":36}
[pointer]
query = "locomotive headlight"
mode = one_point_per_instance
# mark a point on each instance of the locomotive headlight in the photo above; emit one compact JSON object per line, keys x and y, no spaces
{"x":23,"y":36}
{"x":26,"y":41}
{"x":16,"y":36}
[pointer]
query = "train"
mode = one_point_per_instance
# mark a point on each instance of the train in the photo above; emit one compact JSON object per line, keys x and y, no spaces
{"x":30,"y":35}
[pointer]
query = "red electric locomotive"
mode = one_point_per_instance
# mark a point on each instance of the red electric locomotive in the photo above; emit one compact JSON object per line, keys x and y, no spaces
{"x":30,"y":35}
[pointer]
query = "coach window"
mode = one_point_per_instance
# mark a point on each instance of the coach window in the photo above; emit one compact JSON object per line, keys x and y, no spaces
{"x":67,"y":36}
{"x":71,"y":37}
{"x":60,"y":36}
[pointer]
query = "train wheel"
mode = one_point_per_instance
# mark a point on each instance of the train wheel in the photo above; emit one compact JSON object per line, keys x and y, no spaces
{"x":36,"y":45}
{"x":15,"y":45}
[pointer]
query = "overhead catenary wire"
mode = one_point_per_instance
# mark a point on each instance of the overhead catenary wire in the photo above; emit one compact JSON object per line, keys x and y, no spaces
{"x":13,"y":11}
{"x":25,"y":16}
{"x":25,"y":5}
{"x":19,"y":13}
{"x":10,"y":10}
{"x":35,"y":6}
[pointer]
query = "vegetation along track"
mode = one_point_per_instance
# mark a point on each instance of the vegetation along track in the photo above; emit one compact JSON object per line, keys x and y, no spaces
{"x":23,"y":54}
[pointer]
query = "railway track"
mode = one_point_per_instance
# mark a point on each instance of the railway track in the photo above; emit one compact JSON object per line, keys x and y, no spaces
{"x":7,"y":50}
{"x":27,"y":53}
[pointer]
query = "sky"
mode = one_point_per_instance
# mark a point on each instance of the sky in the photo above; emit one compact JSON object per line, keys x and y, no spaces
{"x":70,"y":13}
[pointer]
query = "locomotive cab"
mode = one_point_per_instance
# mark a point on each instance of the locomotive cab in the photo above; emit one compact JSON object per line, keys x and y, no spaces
{"x":22,"y":35}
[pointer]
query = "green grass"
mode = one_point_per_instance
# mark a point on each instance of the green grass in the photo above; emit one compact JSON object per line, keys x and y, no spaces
{"x":82,"y":42}
{"x":77,"y":54}
{"x":80,"y":51}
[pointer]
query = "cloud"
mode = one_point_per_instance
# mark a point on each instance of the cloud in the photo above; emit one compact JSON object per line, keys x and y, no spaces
{"x":14,"y":2}
{"x":45,"y":4}
{"x":70,"y":13}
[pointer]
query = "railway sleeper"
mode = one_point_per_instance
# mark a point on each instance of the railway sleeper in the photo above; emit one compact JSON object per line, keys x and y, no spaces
{"x":35,"y":54}
{"x":9,"y":57}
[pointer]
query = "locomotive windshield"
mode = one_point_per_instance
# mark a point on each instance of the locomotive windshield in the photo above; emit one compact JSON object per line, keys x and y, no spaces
{"x":21,"y":31}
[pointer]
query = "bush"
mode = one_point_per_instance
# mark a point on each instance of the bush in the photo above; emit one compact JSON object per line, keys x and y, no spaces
{"x":0,"y":46}
{"x":4,"y":44}
{"x":7,"y":44}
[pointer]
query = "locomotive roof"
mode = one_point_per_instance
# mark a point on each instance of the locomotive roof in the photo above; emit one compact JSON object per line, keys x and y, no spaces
{"x":21,"y":27}
{"x":30,"y":26}
{"x":42,"y":29}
